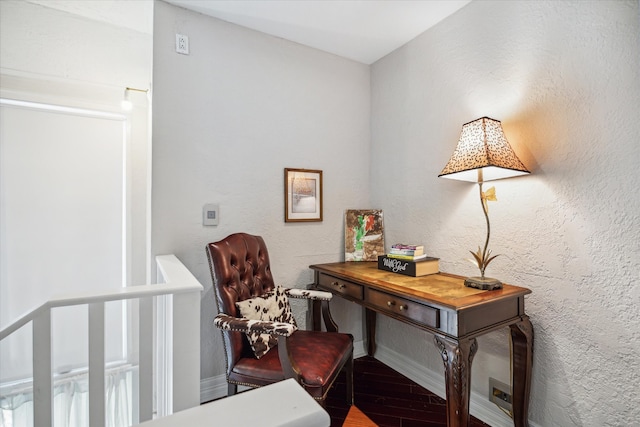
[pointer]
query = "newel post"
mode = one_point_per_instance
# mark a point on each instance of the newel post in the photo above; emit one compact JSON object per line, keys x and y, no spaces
{"x":186,"y":350}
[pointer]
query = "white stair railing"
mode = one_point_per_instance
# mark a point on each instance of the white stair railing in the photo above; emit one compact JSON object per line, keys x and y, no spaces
{"x":178,"y":338}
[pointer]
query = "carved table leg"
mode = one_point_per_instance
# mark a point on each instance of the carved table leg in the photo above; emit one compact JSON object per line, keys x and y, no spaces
{"x":522,"y":355}
{"x":457,"y":357}
{"x":370,"y":325}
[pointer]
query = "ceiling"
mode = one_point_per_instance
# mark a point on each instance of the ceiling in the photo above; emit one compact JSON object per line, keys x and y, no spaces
{"x":362,"y":30}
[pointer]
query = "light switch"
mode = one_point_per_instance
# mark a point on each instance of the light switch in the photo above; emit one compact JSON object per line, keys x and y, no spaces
{"x":210,"y":214}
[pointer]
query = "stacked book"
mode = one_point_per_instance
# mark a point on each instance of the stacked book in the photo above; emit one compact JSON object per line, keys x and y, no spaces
{"x":407,"y":252}
{"x":410,"y":260}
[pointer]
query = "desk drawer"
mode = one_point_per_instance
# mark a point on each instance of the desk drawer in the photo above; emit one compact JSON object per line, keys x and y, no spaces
{"x":420,"y":313}
{"x":341,"y":287}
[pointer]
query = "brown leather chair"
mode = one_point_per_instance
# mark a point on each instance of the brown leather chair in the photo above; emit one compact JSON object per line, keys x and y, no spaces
{"x":241,"y":270}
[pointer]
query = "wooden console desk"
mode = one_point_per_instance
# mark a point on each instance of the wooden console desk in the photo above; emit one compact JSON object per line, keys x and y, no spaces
{"x":456,"y":315}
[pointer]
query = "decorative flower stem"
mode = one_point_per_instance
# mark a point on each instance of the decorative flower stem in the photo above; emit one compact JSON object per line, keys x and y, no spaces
{"x":483,"y":258}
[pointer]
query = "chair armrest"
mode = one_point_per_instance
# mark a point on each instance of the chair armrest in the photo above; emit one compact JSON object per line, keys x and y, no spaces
{"x":309,"y":294}
{"x":281,"y":330}
{"x":242,"y":324}
{"x":316,"y":297}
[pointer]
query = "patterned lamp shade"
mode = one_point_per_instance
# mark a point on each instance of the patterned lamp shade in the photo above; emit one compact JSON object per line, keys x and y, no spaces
{"x":483,"y":154}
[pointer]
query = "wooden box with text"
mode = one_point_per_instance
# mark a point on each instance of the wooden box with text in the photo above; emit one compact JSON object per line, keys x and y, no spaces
{"x":429,"y":265}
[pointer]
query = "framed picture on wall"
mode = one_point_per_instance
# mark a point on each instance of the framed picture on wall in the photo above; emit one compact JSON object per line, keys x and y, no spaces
{"x":302,"y":195}
{"x":363,"y":235}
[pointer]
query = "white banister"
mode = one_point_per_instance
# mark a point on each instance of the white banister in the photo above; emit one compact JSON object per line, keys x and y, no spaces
{"x":179,"y":294}
{"x":131,"y":292}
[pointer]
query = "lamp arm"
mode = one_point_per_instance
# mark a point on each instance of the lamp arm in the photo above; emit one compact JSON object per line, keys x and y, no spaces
{"x":483,"y":264}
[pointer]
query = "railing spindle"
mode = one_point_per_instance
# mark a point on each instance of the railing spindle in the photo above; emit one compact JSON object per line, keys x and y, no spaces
{"x":145,"y":382}
{"x":42,"y":376}
{"x":96,"y":365}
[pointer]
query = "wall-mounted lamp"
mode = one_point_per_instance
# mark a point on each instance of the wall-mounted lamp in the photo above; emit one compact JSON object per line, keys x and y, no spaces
{"x":126,"y":103}
{"x":483,"y":154}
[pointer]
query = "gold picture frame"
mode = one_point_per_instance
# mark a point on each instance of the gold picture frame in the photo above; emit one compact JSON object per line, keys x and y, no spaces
{"x":302,"y":195}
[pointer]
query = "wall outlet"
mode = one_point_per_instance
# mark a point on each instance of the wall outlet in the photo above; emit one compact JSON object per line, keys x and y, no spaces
{"x":182,"y":44}
{"x":500,"y":394}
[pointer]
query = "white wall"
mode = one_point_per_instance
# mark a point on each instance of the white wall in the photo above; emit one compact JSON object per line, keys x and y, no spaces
{"x":564,"y":79}
{"x":77,"y":41}
{"x":228,"y":118}
{"x":85,"y":57}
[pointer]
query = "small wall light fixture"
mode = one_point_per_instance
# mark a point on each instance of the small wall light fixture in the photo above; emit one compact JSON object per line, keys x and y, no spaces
{"x":483,"y":154}
{"x":127,"y":105}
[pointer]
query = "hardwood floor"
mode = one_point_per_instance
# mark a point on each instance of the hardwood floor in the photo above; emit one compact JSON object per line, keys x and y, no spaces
{"x":388,"y":398}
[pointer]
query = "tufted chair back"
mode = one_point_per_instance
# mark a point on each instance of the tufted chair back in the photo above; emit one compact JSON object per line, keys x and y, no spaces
{"x":240,"y":270}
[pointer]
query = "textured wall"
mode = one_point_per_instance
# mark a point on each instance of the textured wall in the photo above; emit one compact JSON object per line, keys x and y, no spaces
{"x":228,"y":119}
{"x":563,"y":78}
{"x":42,"y":41}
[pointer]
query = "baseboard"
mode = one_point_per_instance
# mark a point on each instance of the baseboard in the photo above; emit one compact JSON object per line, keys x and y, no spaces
{"x":480,"y":406}
{"x":358,"y":349}
{"x":213,"y":388}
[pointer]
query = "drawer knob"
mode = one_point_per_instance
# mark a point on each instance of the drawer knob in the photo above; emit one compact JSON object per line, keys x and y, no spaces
{"x":403,"y":307}
{"x":391,"y":303}
{"x":339,"y":285}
